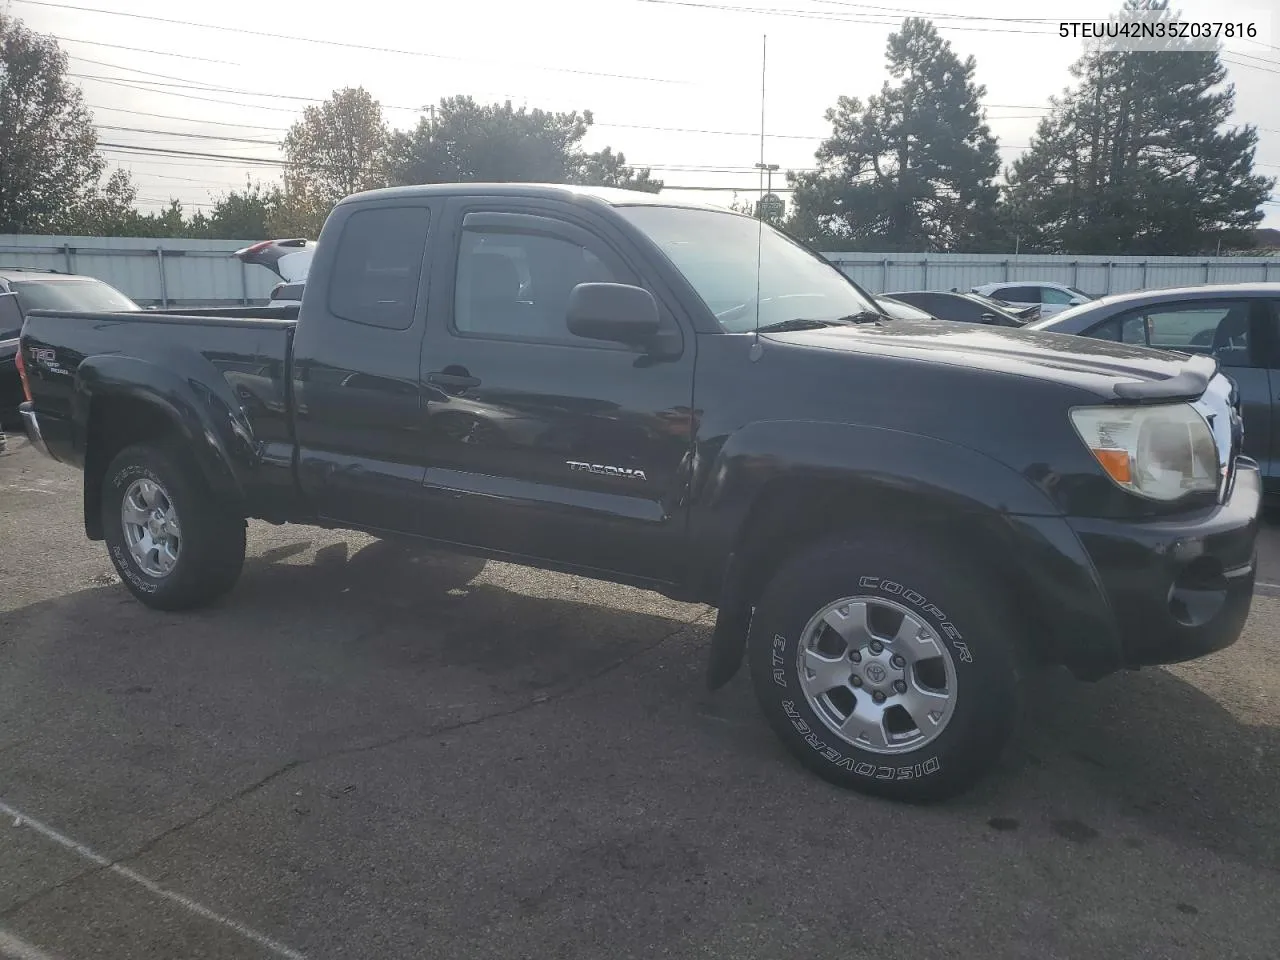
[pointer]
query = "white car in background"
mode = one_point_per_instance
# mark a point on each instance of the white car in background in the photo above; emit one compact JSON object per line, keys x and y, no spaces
{"x":287,"y":259}
{"x":1049,"y":296}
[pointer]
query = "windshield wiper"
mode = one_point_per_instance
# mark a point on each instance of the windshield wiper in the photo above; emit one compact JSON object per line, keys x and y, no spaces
{"x":809,"y":323}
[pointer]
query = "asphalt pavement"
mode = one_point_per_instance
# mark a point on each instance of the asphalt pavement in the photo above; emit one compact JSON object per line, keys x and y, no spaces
{"x":374,"y":751}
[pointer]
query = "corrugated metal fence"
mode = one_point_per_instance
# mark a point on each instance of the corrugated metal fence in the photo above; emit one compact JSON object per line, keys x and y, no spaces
{"x":162,"y":272}
{"x":1098,"y":276}
{"x":177,"y":272}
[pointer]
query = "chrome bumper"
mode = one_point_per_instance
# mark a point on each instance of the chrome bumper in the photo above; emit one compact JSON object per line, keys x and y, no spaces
{"x":32,"y":425}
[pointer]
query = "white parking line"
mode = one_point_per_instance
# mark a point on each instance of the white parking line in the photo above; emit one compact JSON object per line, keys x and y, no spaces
{"x":199,"y":909}
{"x":15,"y":949}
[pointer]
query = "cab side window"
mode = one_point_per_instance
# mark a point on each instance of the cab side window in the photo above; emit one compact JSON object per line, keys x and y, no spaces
{"x":517,"y":285}
{"x":378,"y":265}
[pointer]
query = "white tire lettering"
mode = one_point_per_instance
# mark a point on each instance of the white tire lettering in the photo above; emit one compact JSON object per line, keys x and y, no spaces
{"x":949,"y":629}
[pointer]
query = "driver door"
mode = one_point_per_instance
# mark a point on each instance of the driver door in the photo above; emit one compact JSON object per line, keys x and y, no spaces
{"x":538,"y":442}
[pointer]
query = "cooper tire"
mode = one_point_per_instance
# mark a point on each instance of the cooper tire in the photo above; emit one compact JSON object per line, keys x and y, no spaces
{"x":963,"y":614}
{"x":212,"y":541}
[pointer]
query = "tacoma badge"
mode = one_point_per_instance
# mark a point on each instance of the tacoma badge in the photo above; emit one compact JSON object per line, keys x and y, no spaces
{"x":605,"y":470}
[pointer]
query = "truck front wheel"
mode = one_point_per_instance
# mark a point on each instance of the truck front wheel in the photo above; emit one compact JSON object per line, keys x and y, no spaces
{"x":174,"y":547}
{"x":886,"y":666}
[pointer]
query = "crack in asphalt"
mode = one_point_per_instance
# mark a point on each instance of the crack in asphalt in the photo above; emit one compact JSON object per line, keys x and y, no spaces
{"x":404,"y":737}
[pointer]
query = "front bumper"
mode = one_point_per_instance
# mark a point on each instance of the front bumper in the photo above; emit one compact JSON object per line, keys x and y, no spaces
{"x":32,"y":425}
{"x":1179,"y":589}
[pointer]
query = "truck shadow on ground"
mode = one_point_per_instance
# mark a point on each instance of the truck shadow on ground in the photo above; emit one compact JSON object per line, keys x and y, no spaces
{"x":409,"y":604}
{"x":1151,"y":745}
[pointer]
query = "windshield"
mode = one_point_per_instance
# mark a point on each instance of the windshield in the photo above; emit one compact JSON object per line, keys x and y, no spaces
{"x":1079,"y":293}
{"x":717,"y":253}
{"x":85,"y":294}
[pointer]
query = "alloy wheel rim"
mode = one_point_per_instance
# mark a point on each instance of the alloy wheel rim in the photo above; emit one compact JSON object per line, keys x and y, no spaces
{"x":877,"y":675}
{"x":151,"y":530}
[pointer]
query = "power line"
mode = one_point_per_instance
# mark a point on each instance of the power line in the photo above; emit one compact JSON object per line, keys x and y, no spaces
{"x":192,"y":136}
{"x":811,"y":15}
{"x":186,"y":81}
{"x":719,"y":133}
{"x":932,"y":15}
{"x":171,"y":152}
{"x":199,"y":180}
{"x":158,"y":53}
{"x":1251,"y":66}
{"x":245,"y":31}
{"x":169,"y":116}
{"x":134,"y":85}
{"x":1273,"y":63}
{"x":139,"y":84}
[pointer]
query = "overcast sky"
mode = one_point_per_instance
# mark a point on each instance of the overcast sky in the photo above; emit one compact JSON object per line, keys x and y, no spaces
{"x":639,"y":65}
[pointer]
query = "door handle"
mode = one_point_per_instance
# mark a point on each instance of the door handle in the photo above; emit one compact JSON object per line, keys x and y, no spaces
{"x":443,"y":378}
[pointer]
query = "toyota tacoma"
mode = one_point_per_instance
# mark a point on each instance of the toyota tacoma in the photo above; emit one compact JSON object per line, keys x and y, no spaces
{"x":896,"y":520}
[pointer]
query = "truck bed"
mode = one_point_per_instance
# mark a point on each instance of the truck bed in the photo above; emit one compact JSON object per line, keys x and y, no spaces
{"x":225,"y":373}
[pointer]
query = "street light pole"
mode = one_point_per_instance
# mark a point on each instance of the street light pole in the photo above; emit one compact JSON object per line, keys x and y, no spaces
{"x":768,"y":168}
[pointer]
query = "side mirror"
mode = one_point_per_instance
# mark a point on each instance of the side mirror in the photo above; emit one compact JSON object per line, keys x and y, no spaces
{"x":613,"y":311}
{"x":1075,"y":301}
{"x":990,"y":318}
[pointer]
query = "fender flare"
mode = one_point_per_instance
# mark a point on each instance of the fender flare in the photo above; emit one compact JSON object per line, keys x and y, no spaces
{"x":197,"y":403}
{"x":775,"y":456}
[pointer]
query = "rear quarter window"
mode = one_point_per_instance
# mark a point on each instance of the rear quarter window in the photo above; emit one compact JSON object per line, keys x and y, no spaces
{"x":377,"y":266}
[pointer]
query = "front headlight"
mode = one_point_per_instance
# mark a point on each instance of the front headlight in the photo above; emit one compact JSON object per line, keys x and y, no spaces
{"x":1161,"y":452}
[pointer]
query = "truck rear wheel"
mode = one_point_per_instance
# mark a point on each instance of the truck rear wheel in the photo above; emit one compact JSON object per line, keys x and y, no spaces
{"x":174,"y":547}
{"x":886,"y":667}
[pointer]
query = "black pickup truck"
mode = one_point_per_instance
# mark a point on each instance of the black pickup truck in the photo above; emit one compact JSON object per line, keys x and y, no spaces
{"x":895,"y":520}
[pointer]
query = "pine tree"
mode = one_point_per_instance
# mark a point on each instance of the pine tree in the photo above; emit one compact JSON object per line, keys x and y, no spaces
{"x":1137,"y":158}
{"x":913,"y":168}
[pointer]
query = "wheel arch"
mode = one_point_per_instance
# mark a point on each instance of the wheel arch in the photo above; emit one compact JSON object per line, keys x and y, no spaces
{"x":904,"y":484}
{"x":120,"y":401}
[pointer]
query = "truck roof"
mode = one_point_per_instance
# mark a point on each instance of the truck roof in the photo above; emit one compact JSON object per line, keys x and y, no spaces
{"x":612,"y":196}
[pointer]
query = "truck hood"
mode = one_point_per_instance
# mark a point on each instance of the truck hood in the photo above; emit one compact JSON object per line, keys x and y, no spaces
{"x":1118,"y":372}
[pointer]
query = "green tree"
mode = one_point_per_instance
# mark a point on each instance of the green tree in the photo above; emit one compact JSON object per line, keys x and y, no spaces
{"x":467,"y":141}
{"x":605,"y":168}
{"x":913,"y":167}
{"x":338,"y":148}
{"x":50,"y":167}
{"x":242,"y":214}
{"x":107,"y":211}
{"x":1137,"y":158}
